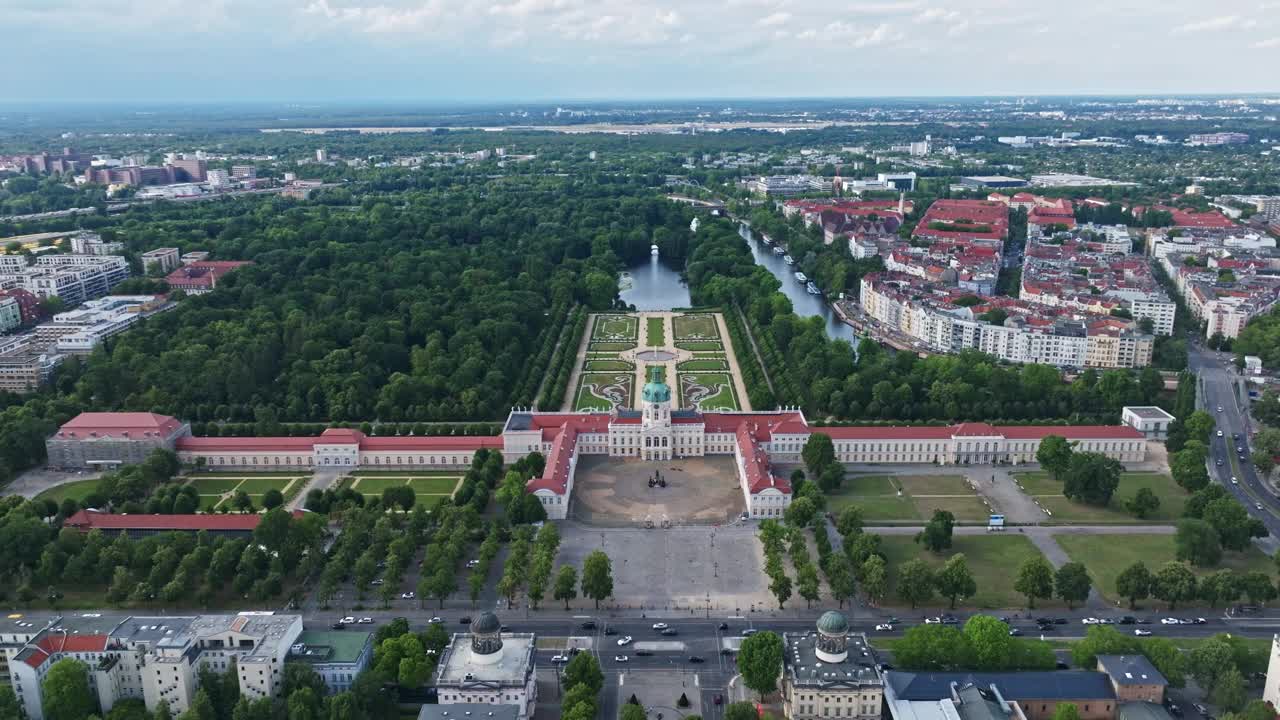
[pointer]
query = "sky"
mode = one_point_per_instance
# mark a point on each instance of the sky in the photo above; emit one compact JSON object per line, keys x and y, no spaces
{"x":498,"y":50}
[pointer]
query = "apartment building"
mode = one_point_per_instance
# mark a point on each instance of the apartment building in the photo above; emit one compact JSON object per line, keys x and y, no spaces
{"x":10,"y":314}
{"x":1224,"y":292}
{"x":155,"y":659}
{"x":24,"y":365}
{"x":91,"y":243}
{"x":161,"y":259}
{"x":80,"y":330}
{"x":72,"y":278}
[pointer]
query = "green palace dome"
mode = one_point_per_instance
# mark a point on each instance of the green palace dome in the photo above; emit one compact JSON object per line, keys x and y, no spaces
{"x":656,"y":390}
{"x":833,"y":623}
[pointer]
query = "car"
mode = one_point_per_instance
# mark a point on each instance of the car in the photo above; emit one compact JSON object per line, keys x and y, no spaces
{"x":625,"y":640}
{"x":1244,"y":459}
{"x":619,"y":658}
{"x":472,"y":563}
{"x":610,"y":631}
{"x":1089,"y":621}
{"x":884,"y":627}
{"x":660,"y":626}
{"x":465,"y":620}
{"x":1060,"y":621}
{"x":670,"y":632}
{"x":1219,"y":433}
{"x":1144,"y":621}
{"x":588,"y":625}
{"x":377,"y":582}
{"x":1235,"y":436}
{"x":1257,"y":506}
{"x":749,"y":632}
{"x":560,"y":659}
{"x":950,"y":620}
{"x":348,"y":620}
{"x":644,"y":653}
{"x":1201,"y":709}
{"x":338,"y":625}
{"x":1106,"y":621}
{"x":932,"y":621}
{"x":696,"y":659}
{"x":504,"y":628}
{"x":1234,"y":481}
{"x":1062,"y":666}
{"x":1174,"y":710}
{"x":1168,"y":621}
{"x":726,"y":651}
{"x":436,"y":619}
{"x":893,"y":620}
{"x":1128,"y":620}
{"x":407,"y":596}
{"x":1219,"y":408}
{"x":1140,"y":632}
{"x":1014,"y":632}
{"x":1219,"y":462}
{"x":722,"y":626}
{"x":1199,"y":621}
{"x":365,"y":620}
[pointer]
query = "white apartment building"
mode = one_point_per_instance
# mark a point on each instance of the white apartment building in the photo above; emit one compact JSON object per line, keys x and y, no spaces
{"x":165,"y":259}
{"x":73,"y":278}
{"x":80,"y":330}
{"x":156,"y":659}
{"x":91,"y":243}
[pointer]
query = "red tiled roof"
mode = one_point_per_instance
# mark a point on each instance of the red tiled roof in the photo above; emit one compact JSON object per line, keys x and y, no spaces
{"x":36,"y":658}
{"x":1015,"y":432}
{"x":431,"y":442}
{"x":117,"y":423}
{"x":755,"y":462}
{"x":977,"y":429}
{"x":263,"y":444}
{"x":921,"y":432}
{"x":339,"y":436}
{"x":1071,"y":432}
{"x":86,"y":520}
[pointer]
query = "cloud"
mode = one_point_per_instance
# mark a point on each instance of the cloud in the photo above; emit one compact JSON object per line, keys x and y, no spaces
{"x":848,"y":35}
{"x":1265,"y":44}
{"x":670,"y":18}
{"x":524,"y":8}
{"x":936,"y":15}
{"x":1222,"y":22}
{"x":772,"y":20}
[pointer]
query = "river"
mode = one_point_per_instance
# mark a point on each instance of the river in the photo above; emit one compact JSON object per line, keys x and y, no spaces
{"x":654,"y":285}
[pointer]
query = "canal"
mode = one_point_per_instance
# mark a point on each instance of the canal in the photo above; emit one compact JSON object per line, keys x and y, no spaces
{"x":804,"y":304}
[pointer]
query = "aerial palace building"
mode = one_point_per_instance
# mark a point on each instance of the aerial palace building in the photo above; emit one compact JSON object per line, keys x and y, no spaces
{"x":654,"y":432}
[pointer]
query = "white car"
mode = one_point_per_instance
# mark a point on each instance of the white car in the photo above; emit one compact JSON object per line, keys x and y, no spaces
{"x":365,"y":620}
{"x":659,"y":626}
{"x":885,"y":627}
{"x":560,"y":659}
{"x":933,"y":621}
{"x":626,"y":640}
{"x":1234,"y":481}
{"x":1219,"y":433}
{"x":619,"y":658}
{"x":1219,"y":408}
{"x":1169,"y":621}
{"x":1089,"y":621}
{"x":407,"y":596}
{"x":436,"y":619}
{"x":348,"y":620}
{"x":1140,"y":632}
{"x":1258,"y":505}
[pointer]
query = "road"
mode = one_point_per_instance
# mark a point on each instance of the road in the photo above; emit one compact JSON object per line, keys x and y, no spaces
{"x":1218,"y":380}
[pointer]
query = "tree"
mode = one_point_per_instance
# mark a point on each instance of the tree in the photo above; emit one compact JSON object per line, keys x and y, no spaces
{"x":819,"y":453}
{"x":1066,"y":711}
{"x":915,"y":582}
{"x":66,"y":693}
{"x":1054,"y":455}
{"x":807,"y":584}
{"x":1173,"y":583}
{"x":1091,"y":478}
{"x":399,"y":496}
{"x":583,"y":669}
{"x":1209,"y":661}
{"x":990,"y":645}
{"x":1187,"y":466}
{"x":1143,"y":504}
{"x":1197,"y":542}
{"x":1134,"y":583}
{"x":954,"y":580}
{"x":849,"y":522}
{"x":272,"y":499}
{"x":760,"y":662}
{"x":1221,"y":587}
{"x":1257,"y":587}
{"x":1035,"y":579}
{"x":9,"y":708}
{"x":1168,"y":659}
{"x":780,"y":586}
{"x":800,"y":512}
{"x":1232,"y":522}
{"x":597,"y":576}
{"x":875,"y":579}
{"x":1200,"y":426}
{"x":741,"y":711}
{"x":933,"y":647}
{"x":1257,"y":710}
{"x":632,"y":712}
{"x":1072,"y":584}
{"x":840,"y":578}
{"x":566,"y":585}
{"x":936,"y":535}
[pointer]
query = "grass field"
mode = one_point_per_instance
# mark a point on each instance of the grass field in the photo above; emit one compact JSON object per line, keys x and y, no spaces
{"x":1049,"y":492}
{"x":701,"y":346}
{"x":878,"y":497}
{"x":1106,"y":556}
{"x":711,"y":391}
{"x":78,"y":491}
{"x":601,"y":391}
{"x":993,"y":560}
{"x":695,"y":327}
{"x":215,"y":489}
{"x":406,"y":473}
{"x":615,"y":328}
{"x":655,"y":334}
{"x":703,"y":364}
{"x":610,"y":347}
{"x":214,"y":486}
{"x":421,"y":485}
{"x":607,"y":366}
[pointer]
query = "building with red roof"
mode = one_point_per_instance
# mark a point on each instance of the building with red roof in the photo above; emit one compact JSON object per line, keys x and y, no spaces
{"x":965,"y":219}
{"x":1211,"y":219}
{"x":202,"y":277}
{"x":141,"y":525}
{"x":100,"y":440}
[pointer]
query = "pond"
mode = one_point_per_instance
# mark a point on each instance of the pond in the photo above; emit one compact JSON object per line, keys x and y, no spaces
{"x":653,"y":285}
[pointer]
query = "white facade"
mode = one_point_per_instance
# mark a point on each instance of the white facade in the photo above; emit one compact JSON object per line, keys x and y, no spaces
{"x":1151,"y":421}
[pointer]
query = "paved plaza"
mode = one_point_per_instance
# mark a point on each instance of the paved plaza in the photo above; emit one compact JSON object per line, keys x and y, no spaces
{"x":615,"y":492}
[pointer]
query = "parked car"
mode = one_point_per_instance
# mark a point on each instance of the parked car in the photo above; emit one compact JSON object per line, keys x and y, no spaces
{"x":950,"y":620}
{"x":365,"y":620}
{"x":749,"y":632}
{"x":696,"y":659}
{"x":407,"y":596}
{"x":588,"y":625}
{"x":1168,"y":621}
{"x":1201,"y":709}
{"x":619,"y":658}
{"x":1234,"y":481}
{"x":884,"y":627}
{"x":377,"y":582}
{"x":722,"y":627}
{"x":622,"y":641}
{"x":1128,"y":620}
{"x":933,"y":621}
{"x":338,"y":625}
{"x":1014,"y":632}
{"x":1089,"y":621}
{"x":726,"y":651}
{"x":560,"y":659}
{"x":610,"y":631}
{"x":436,"y":619}
{"x":1140,"y":632}
{"x":659,"y":626}
{"x":348,"y":620}
{"x":1219,"y":433}
{"x":669,"y":632}
{"x":465,"y":620}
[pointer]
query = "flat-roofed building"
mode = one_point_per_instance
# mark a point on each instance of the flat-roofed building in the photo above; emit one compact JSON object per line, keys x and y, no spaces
{"x":822,"y":678}
{"x":162,"y":259}
{"x":337,"y":657}
{"x":490,"y":667}
{"x":1148,"y":420}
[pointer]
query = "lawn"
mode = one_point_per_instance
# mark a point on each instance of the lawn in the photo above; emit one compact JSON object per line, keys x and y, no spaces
{"x":878,"y":497}
{"x":420,"y":485}
{"x":610,"y":346}
{"x":259,"y":486}
{"x":406,"y":473}
{"x":1049,"y":493}
{"x":78,"y":491}
{"x":710,"y":391}
{"x":607,"y":366}
{"x":655,"y":332}
{"x":601,"y":391}
{"x":700,"y":346}
{"x":703,"y":365}
{"x":695,"y":327}
{"x":993,"y":560}
{"x":615,"y":327}
{"x":1106,"y":556}
{"x":214,"y":486}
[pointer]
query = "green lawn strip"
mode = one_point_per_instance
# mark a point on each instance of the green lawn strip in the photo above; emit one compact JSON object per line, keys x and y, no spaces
{"x":258,"y":486}
{"x":696,"y":365}
{"x":866,"y":485}
{"x":1172,"y":500}
{"x":725,"y":397}
{"x":699,"y":327}
{"x":934,"y":484}
{"x":700,"y":346}
{"x":375,"y":485}
{"x":1038,"y":483}
{"x":214,"y":486}
{"x":1106,"y":556}
{"x":209,"y":502}
{"x":78,"y":491}
{"x":244,"y":474}
{"x":407,"y":473}
{"x":433,"y":486}
{"x":607,"y":365}
{"x":610,"y":346}
{"x":878,"y":508}
{"x":612,"y":327}
{"x":965,"y":508}
{"x":993,"y":560}
{"x":655,"y":333}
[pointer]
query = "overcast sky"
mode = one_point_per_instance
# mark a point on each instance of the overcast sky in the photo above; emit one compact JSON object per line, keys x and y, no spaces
{"x":566,"y":49}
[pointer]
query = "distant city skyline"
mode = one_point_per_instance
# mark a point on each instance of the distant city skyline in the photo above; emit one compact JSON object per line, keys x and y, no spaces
{"x":547,"y":50}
